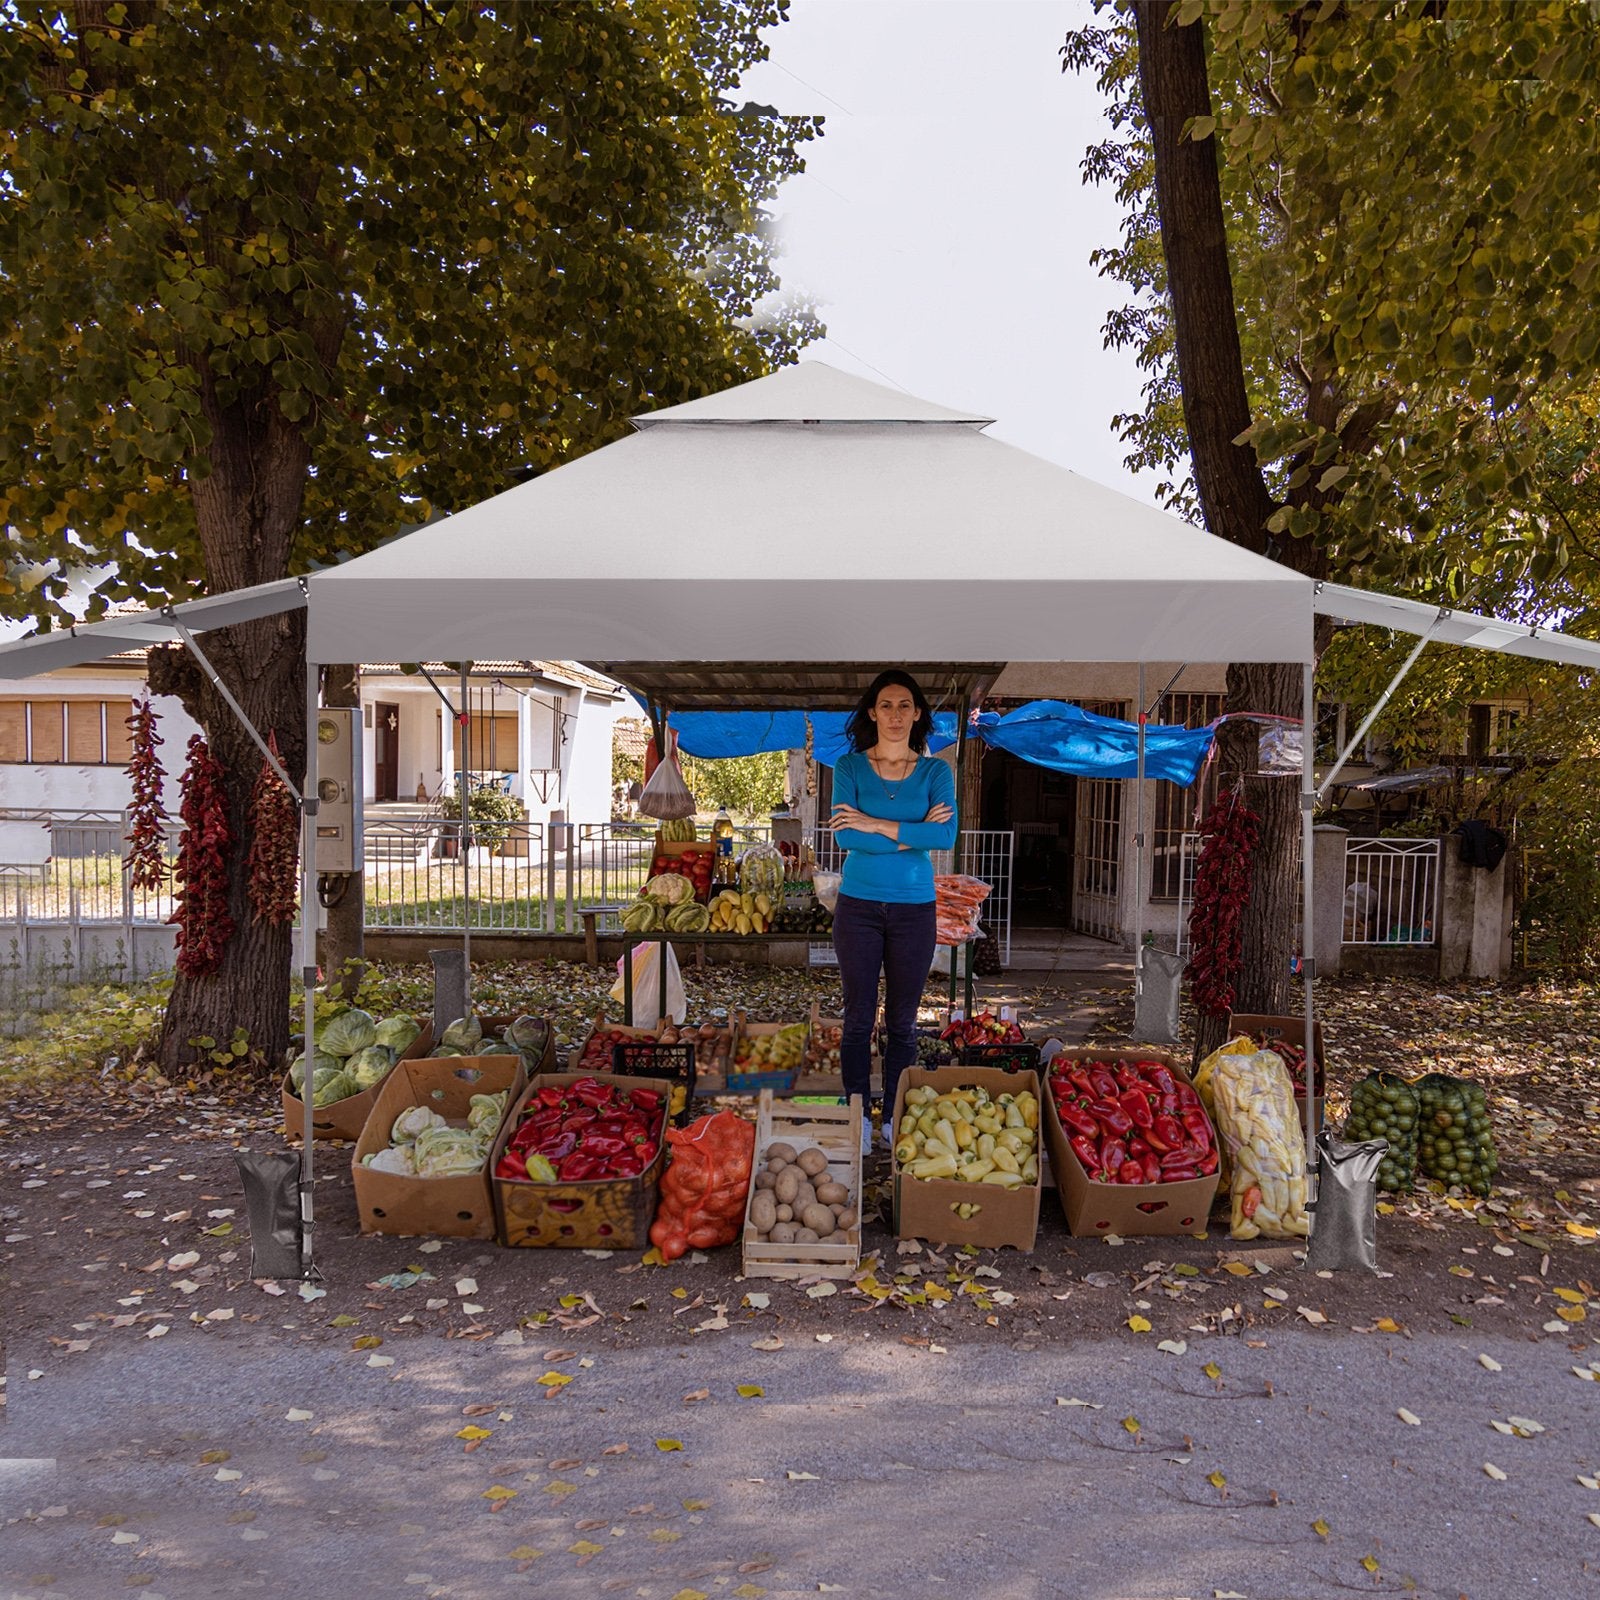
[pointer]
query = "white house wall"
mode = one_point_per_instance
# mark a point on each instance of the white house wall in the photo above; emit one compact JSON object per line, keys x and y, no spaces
{"x":60,"y":786}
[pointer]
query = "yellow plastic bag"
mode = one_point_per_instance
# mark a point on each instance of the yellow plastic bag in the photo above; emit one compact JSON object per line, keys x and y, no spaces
{"x":1242,"y":1045}
{"x":1255,"y":1115}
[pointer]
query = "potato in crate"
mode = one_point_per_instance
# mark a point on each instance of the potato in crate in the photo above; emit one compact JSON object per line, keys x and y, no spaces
{"x":803,"y":1214}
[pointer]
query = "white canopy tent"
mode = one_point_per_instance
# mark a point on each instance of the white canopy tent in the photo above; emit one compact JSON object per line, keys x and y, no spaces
{"x":806,"y":526}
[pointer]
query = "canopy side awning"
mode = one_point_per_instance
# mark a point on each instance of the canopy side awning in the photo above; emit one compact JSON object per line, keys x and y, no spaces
{"x":90,"y":642}
{"x":1446,"y":626}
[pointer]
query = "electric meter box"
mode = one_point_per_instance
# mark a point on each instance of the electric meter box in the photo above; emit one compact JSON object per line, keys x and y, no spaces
{"x":338,"y":820}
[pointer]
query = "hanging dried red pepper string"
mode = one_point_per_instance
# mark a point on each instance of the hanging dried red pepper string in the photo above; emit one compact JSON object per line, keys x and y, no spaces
{"x":146,"y":838}
{"x":202,"y":918}
{"x":1222,"y":882}
{"x":274,"y":846}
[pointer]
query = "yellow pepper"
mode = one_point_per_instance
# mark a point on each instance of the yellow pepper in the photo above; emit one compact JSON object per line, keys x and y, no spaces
{"x":972,"y":1171}
{"x":1003,"y":1180}
{"x":1005,"y":1161}
{"x":938,"y":1166}
{"x":965,"y":1137}
{"x":985,"y":1145}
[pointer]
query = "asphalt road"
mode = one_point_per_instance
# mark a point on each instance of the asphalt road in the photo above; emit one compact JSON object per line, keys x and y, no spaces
{"x":865,"y":1467}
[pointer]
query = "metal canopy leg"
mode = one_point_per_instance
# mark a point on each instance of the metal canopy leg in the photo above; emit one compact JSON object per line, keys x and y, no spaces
{"x":308,"y":972}
{"x":464,"y":848}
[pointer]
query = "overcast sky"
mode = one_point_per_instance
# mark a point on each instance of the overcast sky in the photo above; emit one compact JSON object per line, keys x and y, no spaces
{"x":942,"y":222}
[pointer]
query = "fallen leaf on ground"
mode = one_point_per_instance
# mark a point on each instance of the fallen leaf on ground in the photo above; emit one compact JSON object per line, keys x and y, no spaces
{"x":1089,"y":1404}
{"x":1494,"y":1472}
{"x":669,"y":1444}
{"x":1409,"y":1417}
{"x":1139,"y":1324}
{"x":750,"y":1391}
{"x":802,"y":1477}
{"x":1489,"y":1364}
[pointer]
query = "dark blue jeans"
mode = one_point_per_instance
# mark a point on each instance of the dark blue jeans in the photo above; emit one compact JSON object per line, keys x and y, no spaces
{"x":873,"y":936}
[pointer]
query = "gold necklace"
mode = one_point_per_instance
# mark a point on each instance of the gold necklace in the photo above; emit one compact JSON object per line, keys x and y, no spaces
{"x":913,"y":758}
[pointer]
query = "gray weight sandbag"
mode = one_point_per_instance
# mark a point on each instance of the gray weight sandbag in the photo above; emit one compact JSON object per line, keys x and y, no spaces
{"x":1344,"y":1225}
{"x":271,"y":1181}
{"x":1155,"y":1007}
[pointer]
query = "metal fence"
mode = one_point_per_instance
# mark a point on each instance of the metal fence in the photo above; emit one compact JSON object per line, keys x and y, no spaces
{"x":1391,"y":891}
{"x":985,"y":853}
{"x":518,"y":877}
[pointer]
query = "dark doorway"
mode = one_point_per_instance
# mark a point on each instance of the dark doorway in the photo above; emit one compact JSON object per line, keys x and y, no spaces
{"x":385,"y":752}
{"x":1038,"y":805}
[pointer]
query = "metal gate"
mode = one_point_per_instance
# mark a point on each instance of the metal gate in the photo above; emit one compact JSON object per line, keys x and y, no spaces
{"x":1097,"y":859}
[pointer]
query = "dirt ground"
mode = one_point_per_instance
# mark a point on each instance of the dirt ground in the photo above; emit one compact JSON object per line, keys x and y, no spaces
{"x":122,"y":1213}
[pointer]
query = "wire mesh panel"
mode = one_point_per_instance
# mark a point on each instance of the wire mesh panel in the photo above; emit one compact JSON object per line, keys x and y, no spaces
{"x":987,"y":853}
{"x":1097,"y":859}
{"x":1188,"y":859}
{"x":415,"y":877}
{"x":1391,"y":891}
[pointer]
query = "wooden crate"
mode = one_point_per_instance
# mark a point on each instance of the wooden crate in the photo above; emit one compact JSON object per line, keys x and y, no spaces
{"x":836,"y":1130}
{"x":600,"y":1213}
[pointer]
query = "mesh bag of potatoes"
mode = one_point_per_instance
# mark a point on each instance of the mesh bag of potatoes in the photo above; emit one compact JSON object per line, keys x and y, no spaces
{"x":796,"y":1200}
{"x":1255,"y":1115}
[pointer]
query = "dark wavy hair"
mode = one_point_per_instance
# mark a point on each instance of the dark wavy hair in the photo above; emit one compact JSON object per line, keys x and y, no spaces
{"x":863,"y":731}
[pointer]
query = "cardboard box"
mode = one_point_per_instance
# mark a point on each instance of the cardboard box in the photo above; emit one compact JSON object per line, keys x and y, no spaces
{"x":459,"y":1208}
{"x":601,"y":1214}
{"x":836,"y":1131}
{"x":1291,"y":1030}
{"x":923,"y":1206}
{"x":344,"y":1119}
{"x":1127,"y":1210}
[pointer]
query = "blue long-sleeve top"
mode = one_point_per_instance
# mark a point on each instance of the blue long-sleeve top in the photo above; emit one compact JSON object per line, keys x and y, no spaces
{"x":893,"y":870}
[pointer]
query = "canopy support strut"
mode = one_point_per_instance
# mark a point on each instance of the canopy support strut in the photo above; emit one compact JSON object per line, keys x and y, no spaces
{"x":1308,"y":966}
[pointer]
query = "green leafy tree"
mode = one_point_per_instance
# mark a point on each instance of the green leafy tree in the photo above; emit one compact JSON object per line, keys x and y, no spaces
{"x":279,"y":279}
{"x":1362,"y":248}
{"x":750,"y":786}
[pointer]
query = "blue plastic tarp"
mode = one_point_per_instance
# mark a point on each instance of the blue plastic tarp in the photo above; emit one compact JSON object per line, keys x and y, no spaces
{"x":1046,"y":733}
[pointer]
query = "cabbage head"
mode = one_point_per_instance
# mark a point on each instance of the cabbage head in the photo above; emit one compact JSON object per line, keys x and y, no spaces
{"x":371,"y":1066}
{"x":496,"y":1047}
{"x":528,"y":1034}
{"x":441,"y":1050}
{"x":347,"y":1033}
{"x":320,"y":1062}
{"x":463,"y":1035}
{"x":412,"y":1121}
{"x":326,"y":1088}
{"x":448,"y":1152}
{"x":396,"y":1159}
{"x":484,"y":1112}
{"x":396,"y":1033}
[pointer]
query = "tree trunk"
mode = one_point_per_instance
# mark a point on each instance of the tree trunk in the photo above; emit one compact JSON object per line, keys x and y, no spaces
{"x":343,"y":939}
{"x":261,"y":662}
{"x":248,"y":488}
{"x":1233,"y":494}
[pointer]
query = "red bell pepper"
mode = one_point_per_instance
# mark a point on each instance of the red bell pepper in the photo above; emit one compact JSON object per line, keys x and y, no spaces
{"x":1137,"y":1107}
{"x":647,"y":1099}
{"x":1199,"y":1129}
{"x":1111,"y":1117}
{"x":553,"y":1146}
{"x":1101,"y":1084}
{"x":581,"y":1118}
{"x":1084,"y":1149}
{"x":1130,"y":1172}
{"x":1165,"y":1133}
{"x":1112,"y":1158}
{"x":512,"y":1165}
{"x":1077,"y":1120}
{"x":1156,"y":1074}
{"x":552,"y":1095}
{"x":577,"y":1168}
{"x":603,"y":1145}
{"x":628,"y":1165}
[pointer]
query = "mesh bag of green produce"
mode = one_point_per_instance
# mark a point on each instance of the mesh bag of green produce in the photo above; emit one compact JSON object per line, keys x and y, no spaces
{"x":1384,"y":1106}
{"x":1455,"y":1141}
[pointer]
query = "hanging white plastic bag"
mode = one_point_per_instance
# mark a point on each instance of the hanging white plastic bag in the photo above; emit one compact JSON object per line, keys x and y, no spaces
{"x":651,"y":1000}
{"x":666,"y":796}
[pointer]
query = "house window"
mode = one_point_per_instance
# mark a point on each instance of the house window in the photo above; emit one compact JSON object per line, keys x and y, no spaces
{"x":492,"y":742}
{"x":1178,"y":811}
{"x":1491,"y":731}
{"x":79,"y":733}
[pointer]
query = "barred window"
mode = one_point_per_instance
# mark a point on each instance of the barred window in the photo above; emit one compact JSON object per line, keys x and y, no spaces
{"x":1178,"y":811}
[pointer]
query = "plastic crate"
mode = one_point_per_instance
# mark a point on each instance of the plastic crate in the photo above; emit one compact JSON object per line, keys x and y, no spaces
{"x":754,"y":1082}
{"x":648,"y":1058}
{"x":1007,"y":1057}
